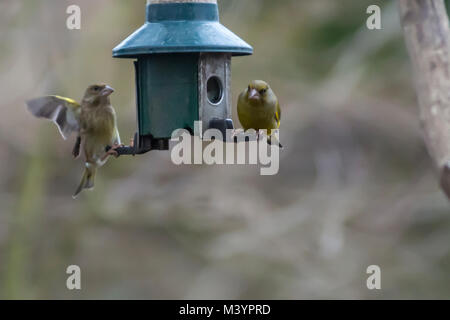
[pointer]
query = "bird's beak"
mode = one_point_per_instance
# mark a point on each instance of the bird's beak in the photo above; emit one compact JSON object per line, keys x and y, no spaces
{"x":254,"y":95}
{"x":107,"y":91}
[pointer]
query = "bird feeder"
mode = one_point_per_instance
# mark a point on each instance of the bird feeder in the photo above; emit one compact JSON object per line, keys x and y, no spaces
{"x":183,"y":70}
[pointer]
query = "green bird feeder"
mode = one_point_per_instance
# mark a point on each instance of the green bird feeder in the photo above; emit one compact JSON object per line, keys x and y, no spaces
{"x":183,"y":70}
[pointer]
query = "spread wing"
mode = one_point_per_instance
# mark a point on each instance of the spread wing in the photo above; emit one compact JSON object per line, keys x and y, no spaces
{"x":63,"y":112}
{"x":278,"y":115}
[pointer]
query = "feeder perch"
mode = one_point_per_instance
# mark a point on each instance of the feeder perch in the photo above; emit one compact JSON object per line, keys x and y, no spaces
{"x":183,"y":70}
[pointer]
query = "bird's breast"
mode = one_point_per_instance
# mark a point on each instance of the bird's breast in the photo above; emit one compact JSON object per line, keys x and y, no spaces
{"x":256,"y":115}
{"x":99,"y":124}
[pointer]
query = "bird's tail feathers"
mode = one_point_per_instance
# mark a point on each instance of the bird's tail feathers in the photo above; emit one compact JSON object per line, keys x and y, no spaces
{"x":87,"y":181}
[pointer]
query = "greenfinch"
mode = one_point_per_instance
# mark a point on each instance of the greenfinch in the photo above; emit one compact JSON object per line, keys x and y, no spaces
{"x":94,"y":121}
{"x":258,"y":109}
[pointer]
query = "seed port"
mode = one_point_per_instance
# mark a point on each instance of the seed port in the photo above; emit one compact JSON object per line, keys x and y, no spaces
{"x":214,"y":90}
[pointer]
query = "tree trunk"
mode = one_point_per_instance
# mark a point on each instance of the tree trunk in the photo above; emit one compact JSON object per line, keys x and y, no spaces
{"x":426,"y":30}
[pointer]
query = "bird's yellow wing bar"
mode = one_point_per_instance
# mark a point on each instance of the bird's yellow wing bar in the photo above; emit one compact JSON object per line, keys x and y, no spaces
{"x":71,"y":103}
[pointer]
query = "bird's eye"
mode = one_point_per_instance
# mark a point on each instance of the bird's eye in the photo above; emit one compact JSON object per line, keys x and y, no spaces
{"x":263,"y":91}
{"x":96,"y":88}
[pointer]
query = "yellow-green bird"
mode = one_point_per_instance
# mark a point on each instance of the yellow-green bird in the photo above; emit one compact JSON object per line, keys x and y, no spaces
{"x":258,"y":108}
{"x":94,"y":121}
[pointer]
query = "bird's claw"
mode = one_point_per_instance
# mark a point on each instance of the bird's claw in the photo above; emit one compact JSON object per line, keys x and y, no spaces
{"x":113,"y":151}
{"x":234,"y":135}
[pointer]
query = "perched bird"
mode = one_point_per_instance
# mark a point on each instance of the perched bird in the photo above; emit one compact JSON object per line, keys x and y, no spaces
{"x":258,"y":109}
{"x":94,"y":121}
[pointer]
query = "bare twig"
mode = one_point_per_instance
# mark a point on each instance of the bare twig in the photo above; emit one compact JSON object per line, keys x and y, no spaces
{"x":427,"y":35}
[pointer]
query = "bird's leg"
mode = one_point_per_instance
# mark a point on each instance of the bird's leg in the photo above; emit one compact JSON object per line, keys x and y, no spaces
{"x":234,"y":135}
{"x":112,"y":152}
{"x":76,"y":148}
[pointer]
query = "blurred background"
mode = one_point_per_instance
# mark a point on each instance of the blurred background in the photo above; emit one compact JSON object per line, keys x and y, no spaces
{"x":355,"y":187}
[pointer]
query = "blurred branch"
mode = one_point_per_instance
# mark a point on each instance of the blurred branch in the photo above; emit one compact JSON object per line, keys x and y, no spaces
{"x":427,"y":35}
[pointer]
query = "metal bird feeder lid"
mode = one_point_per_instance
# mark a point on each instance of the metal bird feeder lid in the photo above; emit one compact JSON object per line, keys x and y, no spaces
{"x":182,"y":26}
